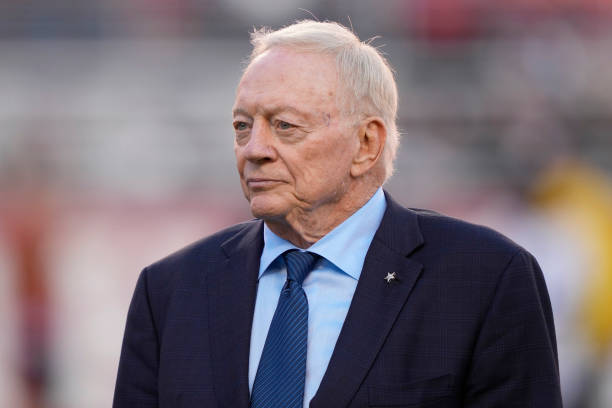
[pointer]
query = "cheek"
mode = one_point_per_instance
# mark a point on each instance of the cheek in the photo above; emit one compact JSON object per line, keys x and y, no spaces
{"x":321,"y":163}
{"x":324,"y":169}
{"x":338,"y":154}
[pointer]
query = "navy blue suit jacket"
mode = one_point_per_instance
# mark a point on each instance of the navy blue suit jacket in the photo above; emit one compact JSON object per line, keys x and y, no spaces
{"x":467,"y":324}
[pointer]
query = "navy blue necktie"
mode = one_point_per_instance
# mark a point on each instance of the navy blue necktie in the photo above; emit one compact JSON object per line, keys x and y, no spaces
{"x":280,"y":377}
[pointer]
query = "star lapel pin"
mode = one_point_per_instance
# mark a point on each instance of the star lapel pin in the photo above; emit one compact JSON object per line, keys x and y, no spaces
{"x":391,"y":276}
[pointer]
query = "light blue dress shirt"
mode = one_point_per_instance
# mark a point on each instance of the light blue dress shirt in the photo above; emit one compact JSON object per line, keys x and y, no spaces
{"x":329,"y":287}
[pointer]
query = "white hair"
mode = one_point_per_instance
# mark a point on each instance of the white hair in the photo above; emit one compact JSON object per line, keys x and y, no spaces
{"x":362,"y":69}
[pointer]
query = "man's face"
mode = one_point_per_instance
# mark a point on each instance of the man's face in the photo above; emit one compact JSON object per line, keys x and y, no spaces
{"x":293,"y":147}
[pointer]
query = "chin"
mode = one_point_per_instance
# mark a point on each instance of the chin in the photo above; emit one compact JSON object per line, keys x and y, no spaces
{"x":265,"y":207}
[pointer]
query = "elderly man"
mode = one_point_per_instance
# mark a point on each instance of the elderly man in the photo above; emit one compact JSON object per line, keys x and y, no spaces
{"x":335,"y":296}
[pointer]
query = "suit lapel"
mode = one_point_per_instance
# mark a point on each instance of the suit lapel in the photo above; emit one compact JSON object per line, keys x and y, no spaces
{"x":375,"y":306}
{"x":232,"y":291}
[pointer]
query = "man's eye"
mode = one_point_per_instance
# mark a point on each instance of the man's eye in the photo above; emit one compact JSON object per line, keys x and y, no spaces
{"x":284,"y":125}
{"x":240,"y":126}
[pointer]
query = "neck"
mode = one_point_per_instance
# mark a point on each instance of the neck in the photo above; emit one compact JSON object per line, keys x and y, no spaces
{"x":304,"y":227}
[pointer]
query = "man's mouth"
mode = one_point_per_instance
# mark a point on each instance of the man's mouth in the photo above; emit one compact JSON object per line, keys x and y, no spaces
{"x":260,"y":183}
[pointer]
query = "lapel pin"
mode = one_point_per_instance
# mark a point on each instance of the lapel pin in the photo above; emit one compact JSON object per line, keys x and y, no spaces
{"x":391,"y":276}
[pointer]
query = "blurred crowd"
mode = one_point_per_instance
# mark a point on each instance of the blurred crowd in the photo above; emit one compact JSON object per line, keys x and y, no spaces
{"x":116,"y":149}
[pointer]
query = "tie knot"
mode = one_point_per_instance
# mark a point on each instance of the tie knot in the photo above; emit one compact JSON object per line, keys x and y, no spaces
{"x":299,"y":264}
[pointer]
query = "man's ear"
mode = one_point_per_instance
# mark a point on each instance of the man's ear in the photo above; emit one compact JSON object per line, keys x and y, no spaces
{"x":372,"y":136}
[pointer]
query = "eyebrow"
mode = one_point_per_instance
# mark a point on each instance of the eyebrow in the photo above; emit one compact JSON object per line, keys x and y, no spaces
{"x":274,"y":110}
{"x":240,"y":111}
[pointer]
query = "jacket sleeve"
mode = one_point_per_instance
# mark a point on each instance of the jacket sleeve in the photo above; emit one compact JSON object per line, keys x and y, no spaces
{"x":136,"y":385}
{"x":515,"y":362}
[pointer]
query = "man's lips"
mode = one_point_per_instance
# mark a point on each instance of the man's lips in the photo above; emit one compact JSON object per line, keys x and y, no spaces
{"x":262,"y":182}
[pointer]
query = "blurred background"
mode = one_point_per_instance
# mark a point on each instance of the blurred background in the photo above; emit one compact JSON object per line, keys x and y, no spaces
{"x":116,"y":149}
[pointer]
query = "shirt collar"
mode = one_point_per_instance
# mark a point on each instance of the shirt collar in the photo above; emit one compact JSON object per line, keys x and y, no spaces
{"x":345,"y":246}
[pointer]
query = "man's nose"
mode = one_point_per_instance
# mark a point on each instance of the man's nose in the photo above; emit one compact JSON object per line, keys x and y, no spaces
{"x":260,"y":146}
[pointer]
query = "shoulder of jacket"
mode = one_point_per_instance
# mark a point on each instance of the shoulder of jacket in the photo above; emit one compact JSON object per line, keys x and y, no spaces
{"x":454,"y":233}
{"x":199,"y":253}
